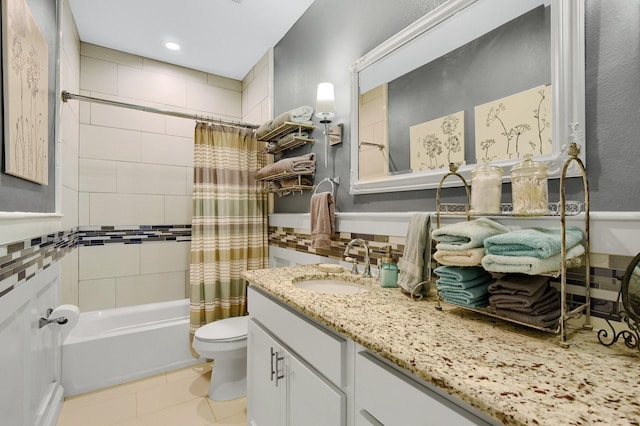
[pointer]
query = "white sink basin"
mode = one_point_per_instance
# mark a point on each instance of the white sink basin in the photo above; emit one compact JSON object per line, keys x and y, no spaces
{"x":331,"y":286}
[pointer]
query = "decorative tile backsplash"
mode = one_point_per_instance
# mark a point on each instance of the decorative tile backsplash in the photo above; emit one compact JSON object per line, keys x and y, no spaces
{"x":603,"y":277}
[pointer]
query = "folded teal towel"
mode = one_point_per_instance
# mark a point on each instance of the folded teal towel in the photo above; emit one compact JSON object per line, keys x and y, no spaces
{"x":532,"y":242}
{"x":465,"y":284}
{"x":533,"y":265}
{"x":466,"y":235}
{"x":461,"y":301}
{"x":459,"y":273}
{"x":471,"y":294}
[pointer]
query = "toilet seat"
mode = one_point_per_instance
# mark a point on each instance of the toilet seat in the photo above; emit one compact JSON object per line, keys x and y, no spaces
{"x":226,"y":330}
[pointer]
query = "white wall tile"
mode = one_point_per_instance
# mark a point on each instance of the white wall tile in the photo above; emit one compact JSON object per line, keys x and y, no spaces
{"x":123,"y":118}
{"x":98,"y":76}
{"x":125,"y":209}
{"x":190,"y":181}
{"x":110,"y":55}
{"x":94,"y":295}
{"x":109,"y":261}
{"x":151,"y":86}
{"x":69,"y":208}
{"x":70,"y":122}
{"x":107,"y":143}
{"x":85,"y":109}
{"x":83,"y":209}
{"x":178,"y":210}
{"x":224,"y":82}
{"x":170,"y":256}
{"x":167,"y":149}
{"x":139,"y":178}
{"x":69,"y":161}
{"x":152,"y":65}
{"x":97,"y":175}
{"x":152,"y":288}
{"x":258,"y":90}
{"x":180,"y":126}
{"x":69,"y":278}
{"x":214,"y":99}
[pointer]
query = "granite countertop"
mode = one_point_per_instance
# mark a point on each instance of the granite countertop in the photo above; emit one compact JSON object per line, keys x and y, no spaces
{"x":514,"y":374}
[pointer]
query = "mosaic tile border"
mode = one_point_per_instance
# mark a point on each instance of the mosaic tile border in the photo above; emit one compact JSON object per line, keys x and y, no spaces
{"x":20,"y":261}
{"x":101,"y":235}
{"x":603,"y":277}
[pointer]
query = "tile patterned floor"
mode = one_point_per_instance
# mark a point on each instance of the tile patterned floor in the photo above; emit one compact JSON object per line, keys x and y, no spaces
{"x":176,"y":398}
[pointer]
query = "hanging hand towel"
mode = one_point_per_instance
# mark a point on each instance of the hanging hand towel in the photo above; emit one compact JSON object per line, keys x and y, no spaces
{"x":467,"y":235}
{"x":533,"y":265}
{"x":470,"y":257}
{"x":322,"y":219}
{"x":413,"y":264}
{"x":534,"y":242}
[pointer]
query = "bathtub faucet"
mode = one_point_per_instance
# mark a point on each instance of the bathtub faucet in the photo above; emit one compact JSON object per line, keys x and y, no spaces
{"x":366,"y":272}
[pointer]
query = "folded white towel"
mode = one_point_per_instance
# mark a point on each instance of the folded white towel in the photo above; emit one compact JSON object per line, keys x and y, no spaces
{"x":470,"y":257}
{"x":467,"y":235}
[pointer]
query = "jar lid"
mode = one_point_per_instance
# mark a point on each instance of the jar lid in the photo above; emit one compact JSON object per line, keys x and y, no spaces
{"x":487,"y":168}
{"x":529,"y":167}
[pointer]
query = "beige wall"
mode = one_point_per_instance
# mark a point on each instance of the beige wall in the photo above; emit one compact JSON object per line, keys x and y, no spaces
{"x":136,"y":168}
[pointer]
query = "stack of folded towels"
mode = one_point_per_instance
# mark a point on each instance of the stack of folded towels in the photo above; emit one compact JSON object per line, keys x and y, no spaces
{"x":300,"y":115}
{"x":284,"y":141}
{"x":462,"y":243}
{"x":526,"y":298}
{"x":464,"y":286}
{"x":532,"y":251}
{"x":302,"y":165}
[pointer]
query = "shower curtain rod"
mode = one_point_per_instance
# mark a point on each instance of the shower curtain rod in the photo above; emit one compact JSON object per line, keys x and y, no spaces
{"x":66,"y":96}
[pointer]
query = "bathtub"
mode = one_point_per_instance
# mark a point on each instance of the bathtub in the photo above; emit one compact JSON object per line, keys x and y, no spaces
{"x":115,"y":346}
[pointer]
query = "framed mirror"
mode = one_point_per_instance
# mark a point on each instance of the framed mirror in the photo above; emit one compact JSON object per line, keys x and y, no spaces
{"x":470,"y":82}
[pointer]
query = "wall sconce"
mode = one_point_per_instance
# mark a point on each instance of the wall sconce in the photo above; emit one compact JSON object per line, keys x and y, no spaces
{"x":325,"y":111}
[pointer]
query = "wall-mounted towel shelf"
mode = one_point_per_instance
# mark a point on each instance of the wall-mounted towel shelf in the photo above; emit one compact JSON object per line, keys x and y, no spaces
{"x":285,"y":129}
{"x":563,"y":208}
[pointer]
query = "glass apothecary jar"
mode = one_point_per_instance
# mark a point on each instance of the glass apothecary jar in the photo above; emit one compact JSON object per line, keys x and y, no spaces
{"x":486,"y":189}
{"x":529,"y":188}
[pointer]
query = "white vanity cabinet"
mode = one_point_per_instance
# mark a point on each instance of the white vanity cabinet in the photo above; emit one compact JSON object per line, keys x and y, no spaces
{"x":386,"y":396}
{"x":284,"y":386}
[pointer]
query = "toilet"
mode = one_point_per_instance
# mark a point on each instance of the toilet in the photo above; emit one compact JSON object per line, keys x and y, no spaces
{"x":225,"y":341}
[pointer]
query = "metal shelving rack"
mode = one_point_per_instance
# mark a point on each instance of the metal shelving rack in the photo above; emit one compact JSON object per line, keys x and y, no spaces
{"x":563,"y":209}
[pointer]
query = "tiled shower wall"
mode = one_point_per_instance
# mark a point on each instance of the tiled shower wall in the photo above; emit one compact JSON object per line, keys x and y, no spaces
{"x":135,"y":171}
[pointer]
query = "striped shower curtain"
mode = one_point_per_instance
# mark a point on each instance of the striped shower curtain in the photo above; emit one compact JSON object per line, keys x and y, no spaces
{"x":229,"y":225}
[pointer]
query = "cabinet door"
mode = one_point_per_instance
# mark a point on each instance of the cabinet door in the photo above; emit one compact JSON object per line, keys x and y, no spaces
{"x":311,"y":399}
{"x":264,"y":398}
{"x":384,"y":396}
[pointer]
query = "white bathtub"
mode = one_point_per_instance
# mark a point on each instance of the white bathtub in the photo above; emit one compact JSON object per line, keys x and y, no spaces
{"x":115,"y":346}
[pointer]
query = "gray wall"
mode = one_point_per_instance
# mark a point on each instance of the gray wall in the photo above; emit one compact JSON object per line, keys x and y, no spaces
{"x":333,"y":33}
{"x":18,"y":194}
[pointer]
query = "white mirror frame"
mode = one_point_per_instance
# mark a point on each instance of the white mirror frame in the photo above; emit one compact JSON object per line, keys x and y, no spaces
{"x":567,"y":79}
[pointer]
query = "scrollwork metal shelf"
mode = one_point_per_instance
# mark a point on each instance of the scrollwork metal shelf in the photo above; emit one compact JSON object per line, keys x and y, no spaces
{"x":563,"y":209}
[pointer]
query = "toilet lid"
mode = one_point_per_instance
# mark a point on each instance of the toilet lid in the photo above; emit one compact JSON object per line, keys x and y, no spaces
{"x":224,"y":330}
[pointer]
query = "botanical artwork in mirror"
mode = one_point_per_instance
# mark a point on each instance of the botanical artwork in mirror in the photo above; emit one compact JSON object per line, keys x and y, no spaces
{"x":436,"y":143}
{"x":462,"y":55}
{"x":514,"y":126}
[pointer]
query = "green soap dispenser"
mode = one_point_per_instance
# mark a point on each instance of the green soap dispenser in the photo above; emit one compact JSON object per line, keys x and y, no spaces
{"x":388,"y":270}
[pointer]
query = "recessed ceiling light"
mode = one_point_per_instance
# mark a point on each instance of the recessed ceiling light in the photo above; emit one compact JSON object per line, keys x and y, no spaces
{"x":172,"y":45}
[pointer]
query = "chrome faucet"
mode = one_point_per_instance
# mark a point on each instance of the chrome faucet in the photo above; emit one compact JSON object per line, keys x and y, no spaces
{"x":366,"y":272}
